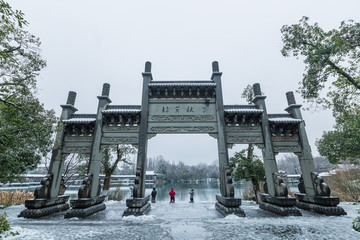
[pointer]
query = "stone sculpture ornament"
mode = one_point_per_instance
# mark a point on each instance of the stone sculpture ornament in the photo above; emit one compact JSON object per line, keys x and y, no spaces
{"x":62,"y":187}
{"x":84,"y":191}
{"x":321,"y":187}
{"x":265,"y":186}
{"x":137,"y":184}
{"x":229,"y":187}
{"x":301,"y":185}
{"x":43,"y":191}
{"x":280,"y":187}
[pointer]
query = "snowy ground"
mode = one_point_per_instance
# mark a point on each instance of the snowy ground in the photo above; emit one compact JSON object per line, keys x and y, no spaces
{"x":183,"y":220}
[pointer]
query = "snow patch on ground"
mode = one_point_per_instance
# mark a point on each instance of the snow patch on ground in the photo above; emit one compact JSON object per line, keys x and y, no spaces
{"x":183,"y":220}
{"x":143,"y":218}
{"x":231,"y":217}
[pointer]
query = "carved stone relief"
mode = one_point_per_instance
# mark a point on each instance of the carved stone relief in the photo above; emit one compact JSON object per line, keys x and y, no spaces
{"x":119,"y":140}
{"x":287,"y":149}
{"x":242,"y":128}
{"x":244,"y":139}
{"x":82,"y":149}
{"x":182,"y":129}
{"x":284,"y":138}
{"x":183,"y":118}
{"x":78,"y":138}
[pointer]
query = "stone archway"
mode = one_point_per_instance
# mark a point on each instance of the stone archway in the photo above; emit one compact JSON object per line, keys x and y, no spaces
{"x":183,"y":107}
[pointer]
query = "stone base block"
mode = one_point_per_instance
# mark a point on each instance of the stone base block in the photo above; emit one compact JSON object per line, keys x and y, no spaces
{"x":41,"y":207}
{"x":284,"y":206}
{"x":87,"y":202}
{"x":327,"y":210}
{"x":318,"y":200}
{"x":45,"y":211}
{"x":319,"y":204}
{"x":281,"y":210}
{"x":136,"y":211}
{"x":229,"y":201}
{"x":279,"y":201}
{"x":85,"y":212}
{"x":45,"y":202}
{"x":137,"y":202}
{"x":225,"y":211}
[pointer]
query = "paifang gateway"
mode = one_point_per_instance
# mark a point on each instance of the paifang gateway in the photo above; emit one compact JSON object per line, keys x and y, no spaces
{"x":182,"y":107}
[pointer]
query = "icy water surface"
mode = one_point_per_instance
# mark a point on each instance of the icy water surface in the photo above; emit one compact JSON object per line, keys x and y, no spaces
{"x":183,"y":220}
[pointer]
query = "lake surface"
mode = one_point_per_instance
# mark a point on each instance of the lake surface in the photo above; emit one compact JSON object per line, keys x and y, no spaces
{"x":203,"y":191}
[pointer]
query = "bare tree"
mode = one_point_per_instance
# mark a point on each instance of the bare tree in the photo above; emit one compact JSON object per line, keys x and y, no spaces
{"x":110,"y":162}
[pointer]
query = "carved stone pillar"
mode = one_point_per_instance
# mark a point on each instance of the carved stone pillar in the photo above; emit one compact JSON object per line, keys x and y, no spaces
{"x":139,"y":204}
{"x":267,"y":151}
{"x":227,"y":203}
{"x":89,"y":199}
{"x":47,"y":199}
{"x":276,"y":197}
{"x":314,"y":193}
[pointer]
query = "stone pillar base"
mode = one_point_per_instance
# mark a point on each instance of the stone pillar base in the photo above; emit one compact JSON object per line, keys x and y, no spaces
{"x":229,"y":205}
{"x":41,"y":207}
{"x":284,"y":206}
{"x":84,"y":207}
{"x":137,"y":206}
{"x":320,"y":204}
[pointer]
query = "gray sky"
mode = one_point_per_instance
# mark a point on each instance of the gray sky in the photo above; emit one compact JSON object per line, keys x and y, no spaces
{"x":87,"y":43}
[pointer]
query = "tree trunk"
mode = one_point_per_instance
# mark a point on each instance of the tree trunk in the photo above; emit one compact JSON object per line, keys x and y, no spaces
{"x":255,"y":188}
{"x":250,"y":151}
{"x":107,"y":181}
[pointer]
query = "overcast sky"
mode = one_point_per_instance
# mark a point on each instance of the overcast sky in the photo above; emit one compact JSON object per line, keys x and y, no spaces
{"x":87,"y":43}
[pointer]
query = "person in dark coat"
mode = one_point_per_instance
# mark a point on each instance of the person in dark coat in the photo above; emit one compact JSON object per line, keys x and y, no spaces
{"x":153,"y":195}
{"x":172,"y":195}
{"x":191,"y":192}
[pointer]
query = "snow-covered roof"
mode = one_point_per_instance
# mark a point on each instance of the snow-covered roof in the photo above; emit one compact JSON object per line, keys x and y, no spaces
{"x":243,"y":110}
{"x":121,"y":110}
{"x":79,"y":120}
{"x":182,"y":84}
{"x":285,"y":120}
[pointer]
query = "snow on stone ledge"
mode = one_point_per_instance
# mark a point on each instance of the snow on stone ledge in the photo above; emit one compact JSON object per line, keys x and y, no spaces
{"x":243,"y":110}
{"x":181,"y":84}
{"x":285,"y":120}
{"x":121,"y":110}
{"x":79,"y":120}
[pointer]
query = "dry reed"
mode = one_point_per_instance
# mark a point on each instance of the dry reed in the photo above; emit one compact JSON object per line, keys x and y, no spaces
{"x":14,"y":197}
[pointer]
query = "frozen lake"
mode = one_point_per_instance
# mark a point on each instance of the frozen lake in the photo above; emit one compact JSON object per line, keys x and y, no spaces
{"x":183,"y":220}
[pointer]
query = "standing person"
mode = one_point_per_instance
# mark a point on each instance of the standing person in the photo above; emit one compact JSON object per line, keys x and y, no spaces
{"x":153,"y":195}
{"x":172,"y":195}
{"x":191,"y":192}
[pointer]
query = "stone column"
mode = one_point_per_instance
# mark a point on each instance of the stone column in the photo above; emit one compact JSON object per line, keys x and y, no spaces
{"x":226,"y":191}
{"x":268,"y":150}
{"x":57,"y":159}
{"x":96,"y":152}
{"x":305,"y":157}
{"x":139,"y":188}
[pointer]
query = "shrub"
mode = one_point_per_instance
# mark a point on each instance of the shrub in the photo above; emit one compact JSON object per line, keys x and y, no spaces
{"x":345,"y":184}
{"x":356,"y":224}
{"x":4,"y":224}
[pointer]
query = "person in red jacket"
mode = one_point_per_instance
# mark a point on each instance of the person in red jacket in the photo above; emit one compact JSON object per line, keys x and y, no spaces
{"x":172,"y":195}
